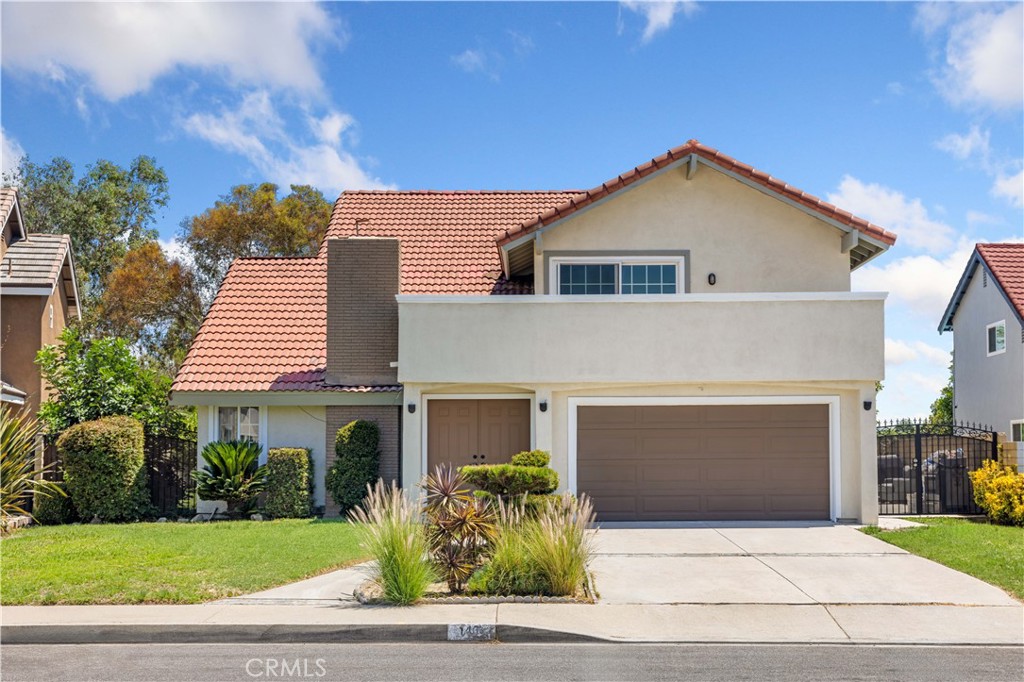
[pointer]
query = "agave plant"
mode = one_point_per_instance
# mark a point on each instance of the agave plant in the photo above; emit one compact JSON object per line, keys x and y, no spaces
{"x":19,"y":477}
{"x":232,"y":473}
{"x":459,"y":526}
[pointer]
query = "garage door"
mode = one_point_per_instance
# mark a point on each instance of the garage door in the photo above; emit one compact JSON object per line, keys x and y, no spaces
{"x":707,"y":462}
{"x":484,"y":431}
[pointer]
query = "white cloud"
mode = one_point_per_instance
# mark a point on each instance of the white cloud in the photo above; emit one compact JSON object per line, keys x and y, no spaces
{"x":471,"y":61}
{"x":972,"y":145}
{"x":120,"y":49}
{"x":898,"y":352}
{"x":984,"y":52}
{"x":895,"y":88}
{"x":892,"y":210}
{"x":922,"y":283}
{"x":256,"y":131}
{"x":1011,"y":188}
{"x":174,"y":250}
{"x":10,"y":152}
{"x":659,"y":15}
{"x":901,"y":352}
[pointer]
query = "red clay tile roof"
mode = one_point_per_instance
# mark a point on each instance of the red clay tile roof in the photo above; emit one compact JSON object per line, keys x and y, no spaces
{"x":1006,"y":261}
{"x":266,"y":331}
{"x":588,"y":197}
{"x":447,"y":238}
{"x":8,"y":198}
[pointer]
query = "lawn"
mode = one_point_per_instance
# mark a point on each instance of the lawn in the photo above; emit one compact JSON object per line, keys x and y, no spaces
{"x":167,"y":563}
{"x":991,"y":553}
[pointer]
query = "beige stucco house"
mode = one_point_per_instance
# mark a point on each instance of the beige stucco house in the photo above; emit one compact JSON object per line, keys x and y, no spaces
{"x":682,"y":339}
{"x":38,"y":297}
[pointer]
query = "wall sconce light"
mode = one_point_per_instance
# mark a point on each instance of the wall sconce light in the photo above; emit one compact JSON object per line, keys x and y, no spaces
{"x":712,"y":279}
{"x":412,"y":408}
{"x":543,"y":405}
{"x":867,"y":405}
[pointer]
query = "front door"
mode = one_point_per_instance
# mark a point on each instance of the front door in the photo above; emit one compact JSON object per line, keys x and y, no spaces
{"x":476,"y":431}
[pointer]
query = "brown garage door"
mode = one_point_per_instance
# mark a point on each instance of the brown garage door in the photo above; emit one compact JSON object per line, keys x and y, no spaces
{"x":476,"y":431}
{"x":648,"y":463}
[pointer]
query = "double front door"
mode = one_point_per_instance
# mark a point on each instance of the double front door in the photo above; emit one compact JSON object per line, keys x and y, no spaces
{"x":476,"y":431}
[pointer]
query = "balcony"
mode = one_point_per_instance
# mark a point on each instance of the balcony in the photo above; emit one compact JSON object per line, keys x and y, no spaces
{"x":756,"y":337}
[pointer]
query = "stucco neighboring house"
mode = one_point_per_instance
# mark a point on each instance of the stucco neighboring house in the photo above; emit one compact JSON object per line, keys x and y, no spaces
{"x":682,"y":339}
{"x":38,"y":296}
{"x":986,"y":316}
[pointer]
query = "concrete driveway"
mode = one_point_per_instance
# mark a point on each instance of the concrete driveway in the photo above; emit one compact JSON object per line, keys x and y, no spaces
{"x":773,"y":563}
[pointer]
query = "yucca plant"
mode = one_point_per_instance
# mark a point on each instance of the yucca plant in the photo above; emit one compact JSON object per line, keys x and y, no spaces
{"x":560,"y":545}
{"x":232,"y":473}
{"x":459,"y":526}
{"x":19,"y":477}
{"x":391,"y":532}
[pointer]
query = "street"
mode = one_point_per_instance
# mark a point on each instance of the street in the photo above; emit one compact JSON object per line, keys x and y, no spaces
{"x":451,"y":662}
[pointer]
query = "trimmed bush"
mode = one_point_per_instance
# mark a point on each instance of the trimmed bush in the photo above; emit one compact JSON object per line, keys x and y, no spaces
{"x":999,"y":491}
{"x":232,"y":474}
{"x":532,"y":458}
{"x":103,"y":468}
{"x":289,"y":483}
{"x":356,"y":463}
{"x":54,"y":510}
{"x":510,"y":480}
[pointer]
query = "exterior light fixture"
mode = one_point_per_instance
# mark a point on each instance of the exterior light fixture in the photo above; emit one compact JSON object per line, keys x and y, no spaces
{"x":867,"y":405}
{"x":712,"y":279}
{"x":543,"y":405}
{"x":412,"y":408}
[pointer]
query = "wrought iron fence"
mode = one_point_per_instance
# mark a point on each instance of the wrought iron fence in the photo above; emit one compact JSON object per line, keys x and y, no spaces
{"x":169,"y":463}
{"x":923,"y":467}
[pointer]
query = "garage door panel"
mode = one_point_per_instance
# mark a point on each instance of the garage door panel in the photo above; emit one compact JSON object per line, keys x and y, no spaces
{"x":705,"y":462}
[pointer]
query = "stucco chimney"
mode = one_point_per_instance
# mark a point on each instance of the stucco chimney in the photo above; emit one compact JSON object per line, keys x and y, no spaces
{"x":362,"y":314}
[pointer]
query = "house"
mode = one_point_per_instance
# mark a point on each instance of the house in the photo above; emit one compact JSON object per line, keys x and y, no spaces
{"x":38,"y":296}
{"x":986,"y":316}
{"x":681,"y":338}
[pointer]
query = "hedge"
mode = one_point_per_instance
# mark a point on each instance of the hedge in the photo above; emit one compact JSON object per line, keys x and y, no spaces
{"x":507,"y":480}
{"x":289,"y":483}
{"x":104,"y":468}
{"x":356,"y":463}
{"x":53,"y":510}
{"x":532,"y":458}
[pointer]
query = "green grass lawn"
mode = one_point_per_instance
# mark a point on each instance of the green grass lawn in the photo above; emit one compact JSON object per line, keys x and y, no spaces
{"x":167,"y":563}
{"x":991,"y":553}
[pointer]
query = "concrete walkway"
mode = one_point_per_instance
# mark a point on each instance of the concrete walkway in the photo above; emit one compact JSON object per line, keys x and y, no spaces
{"x":770,"y":583}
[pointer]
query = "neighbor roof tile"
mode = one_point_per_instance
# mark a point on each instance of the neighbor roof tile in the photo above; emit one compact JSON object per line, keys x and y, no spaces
{"x":1006,"y":261}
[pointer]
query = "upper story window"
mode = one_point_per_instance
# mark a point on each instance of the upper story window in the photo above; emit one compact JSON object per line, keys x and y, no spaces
{"x":597,"y":276}
{"x":238,"y":423}
{"x":996,"y":337}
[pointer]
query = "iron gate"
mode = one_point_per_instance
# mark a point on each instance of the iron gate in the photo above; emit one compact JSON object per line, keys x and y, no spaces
{"x":923,"y":467}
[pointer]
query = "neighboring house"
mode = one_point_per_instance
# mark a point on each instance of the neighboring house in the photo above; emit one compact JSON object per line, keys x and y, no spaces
{"x":986,"y":316}
{"x":682,"y":339}
{"x":38,"y":296}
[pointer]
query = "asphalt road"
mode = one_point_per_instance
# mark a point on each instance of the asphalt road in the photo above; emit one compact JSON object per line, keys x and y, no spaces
{"x":451,"y":662}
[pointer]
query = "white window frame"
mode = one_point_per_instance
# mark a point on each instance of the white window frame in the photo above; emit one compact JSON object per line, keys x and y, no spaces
{"x":213,"y":425}
{"x":678,"y":261}
{"x":1000,"y":351}
{"x":1020,"y":423}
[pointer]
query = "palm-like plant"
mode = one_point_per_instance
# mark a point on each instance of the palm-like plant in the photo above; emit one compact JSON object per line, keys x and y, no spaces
{"x":459,"y":526}
{"x":19,"y":477}
{"x":232,"y":473}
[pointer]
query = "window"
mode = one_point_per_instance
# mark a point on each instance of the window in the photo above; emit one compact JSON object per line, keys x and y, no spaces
{"x":996,"y":333}
{"x":238,"y":423}
{"x":1017,"y":430}
{"x":628,"y":277}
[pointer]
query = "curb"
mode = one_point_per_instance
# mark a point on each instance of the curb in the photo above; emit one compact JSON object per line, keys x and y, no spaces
{"x":204,"y":633}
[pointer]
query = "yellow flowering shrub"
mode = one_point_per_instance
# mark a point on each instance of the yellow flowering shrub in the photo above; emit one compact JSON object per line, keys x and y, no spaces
{"x":999,"y":491}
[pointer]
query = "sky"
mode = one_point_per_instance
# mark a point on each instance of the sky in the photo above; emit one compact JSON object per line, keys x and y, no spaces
{"x":909,"y":115}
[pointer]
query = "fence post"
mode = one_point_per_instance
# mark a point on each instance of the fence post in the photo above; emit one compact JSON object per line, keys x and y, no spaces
{"x":918,"y":477}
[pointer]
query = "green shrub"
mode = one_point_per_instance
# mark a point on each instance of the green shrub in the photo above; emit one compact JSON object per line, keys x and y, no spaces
{"x":232,"y":473}
{"x":559,"y":544}
{"x":289,"y":483}
{"x":54,"y":510}
{"x":532,"y":504}
{"x":391,"y":532}
{"x":532,"y":458}
{"x":510,"y":570}
{"x":356,"y":463}
{"x":510,"y":480}
{"x":104,"y":468}
{"x":999,"y":491}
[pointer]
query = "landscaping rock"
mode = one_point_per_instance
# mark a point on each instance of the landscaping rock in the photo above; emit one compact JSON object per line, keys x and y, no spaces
{"x":200,"y":518}
{"x":256,"y":517}
{"x":96,"y":519}
{"x":182,"y":519}
{"x":162,"y":519}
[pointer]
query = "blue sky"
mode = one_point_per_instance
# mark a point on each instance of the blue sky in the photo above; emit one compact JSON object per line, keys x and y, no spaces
{"x":907,"y":114}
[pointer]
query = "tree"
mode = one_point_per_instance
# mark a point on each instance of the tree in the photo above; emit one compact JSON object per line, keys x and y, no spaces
{"x":252,"y":221}
{"x":107,"y":211}
{"x":97,"y":378}
{"x":154,"y":303}
{"x":942,"y":408}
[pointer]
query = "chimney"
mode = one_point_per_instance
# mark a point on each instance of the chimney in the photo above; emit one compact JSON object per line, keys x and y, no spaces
{"x":362,"y":313}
